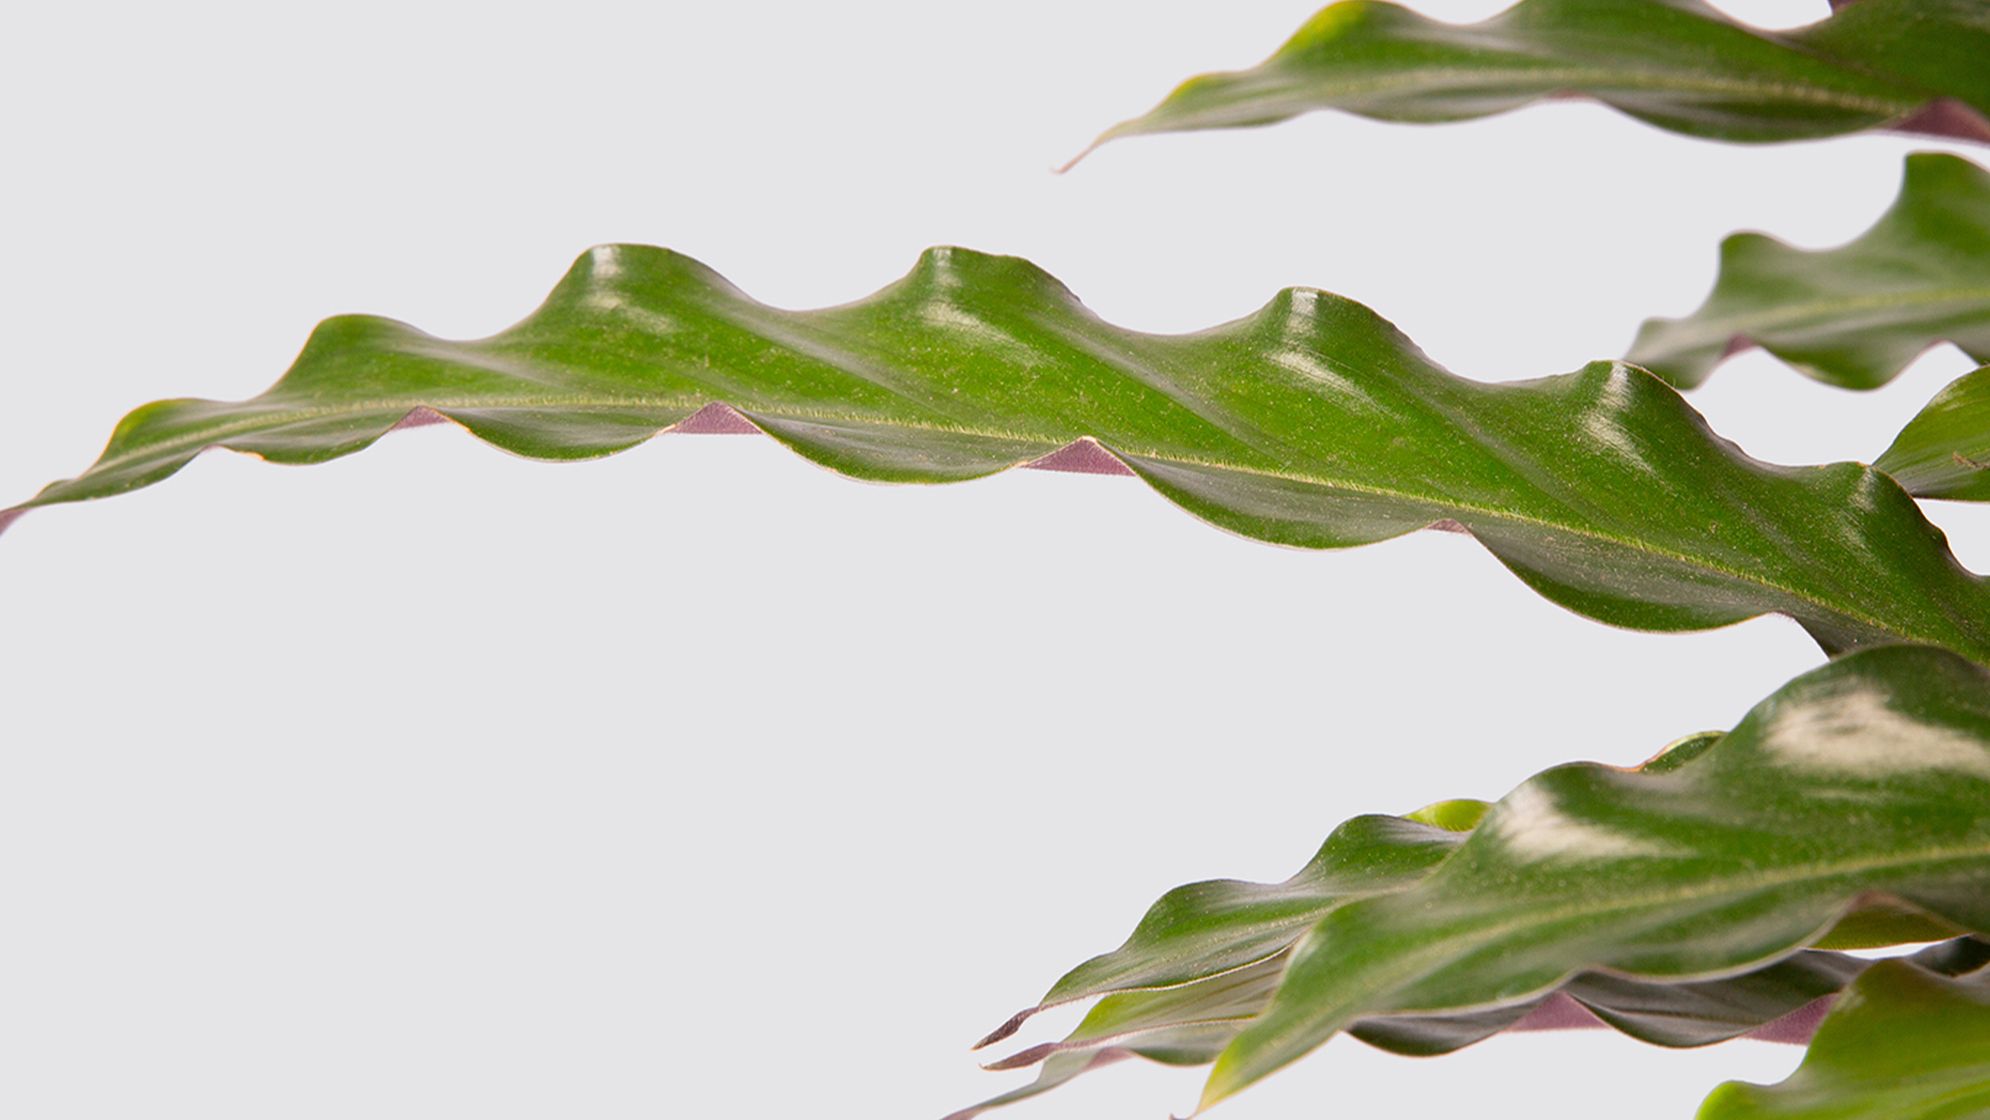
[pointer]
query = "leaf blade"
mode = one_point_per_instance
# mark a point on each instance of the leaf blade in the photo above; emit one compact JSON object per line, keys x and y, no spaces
{"x":1904,"y":1042}
{"x":1312,"y":422}
{"x":1944,"y":451}
{"x":1191,"y":1023}
{"x":1675,"y":64}
{"x":1854,"y":315}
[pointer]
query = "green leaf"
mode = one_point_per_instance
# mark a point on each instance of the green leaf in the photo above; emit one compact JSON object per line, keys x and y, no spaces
{"x":1191,"y":1024}
{"x":1207,"y":957}
{"x":1852,"y":316}
{"x":1869,"y":777}
{"x":1206,"y":929}
{"x":1904,"y":1043}
{"x":1944,"y":452}
{"x":1913,"y":65}
{"x":1312,"y":423}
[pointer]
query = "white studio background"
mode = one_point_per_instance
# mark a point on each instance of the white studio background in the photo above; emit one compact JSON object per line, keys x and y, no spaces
{"x":697,"y":781}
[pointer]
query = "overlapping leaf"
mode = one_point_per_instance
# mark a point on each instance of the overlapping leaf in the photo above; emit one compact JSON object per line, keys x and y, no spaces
{"x":1869,"y":776}
{"x":1944,"y":452}
{"x":1192,"y":1024}
{"x":1206,"y":959}
{"x":1207,"y":929}
{"x":1914,"y":65}
{"x":1855,"y":315}
{"x":1904,"y":1043}
{"x":1312,"y":423}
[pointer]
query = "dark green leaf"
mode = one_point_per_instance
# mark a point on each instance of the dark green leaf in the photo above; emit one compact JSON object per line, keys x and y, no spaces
{"x":1904,"y":1043}
{"x":1869,"y":777}
{"x":1915,"y":65}
{"x":1944,"y":452}
{"x":1854,"y":315}
{"x":1312,"y":423}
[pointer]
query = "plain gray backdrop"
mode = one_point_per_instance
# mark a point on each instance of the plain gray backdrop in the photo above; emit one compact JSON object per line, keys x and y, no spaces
{"x":697,"y":781}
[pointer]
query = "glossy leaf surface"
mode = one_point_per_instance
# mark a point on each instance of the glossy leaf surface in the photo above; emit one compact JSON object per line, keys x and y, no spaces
{"x":1207,"y":957}
{"x":1678,"y":64}
{"x":1206,"y":929}
{"x":1312,"y":422}
{"x":1904,"y":1043}
{"x":1867,"y":777}
{"x":1944,"y":452}
{"x":1855,"y":315}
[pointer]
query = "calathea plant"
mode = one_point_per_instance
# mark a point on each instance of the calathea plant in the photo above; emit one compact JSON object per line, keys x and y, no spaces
{"x":1711,"y":892}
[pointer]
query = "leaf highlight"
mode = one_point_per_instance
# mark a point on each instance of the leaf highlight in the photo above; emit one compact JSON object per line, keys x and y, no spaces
{"x":1208,"y":958}
{"x":1313,"y":422}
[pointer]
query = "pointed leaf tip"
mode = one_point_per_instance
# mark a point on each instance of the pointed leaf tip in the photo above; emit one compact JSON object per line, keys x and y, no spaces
{"x":1008,"y":1029}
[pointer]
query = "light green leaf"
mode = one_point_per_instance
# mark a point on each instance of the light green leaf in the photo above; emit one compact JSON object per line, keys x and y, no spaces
{"x":1904,"y":1043}
{"x":1312,"y":422}
{"x":1867,"y":777}
{"x":1914,"y":65}
{"x":1944,"y":452}
{"x":1855,"y":315}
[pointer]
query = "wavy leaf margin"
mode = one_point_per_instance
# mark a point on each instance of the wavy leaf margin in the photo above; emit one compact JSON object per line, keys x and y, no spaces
{"x":1909,"y":65}
{"x":1855,"y":315}
{"x":1313,"y":422}
{"x":1905,"y":1042}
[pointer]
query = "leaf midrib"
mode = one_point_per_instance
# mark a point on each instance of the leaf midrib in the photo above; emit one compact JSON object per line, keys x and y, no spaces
{"x":215,"y":435}
{"x":1603,"y":82}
